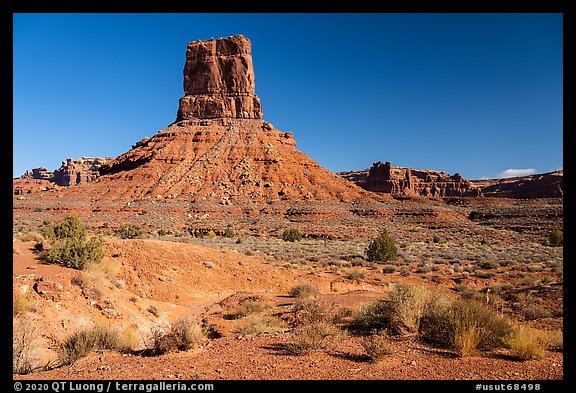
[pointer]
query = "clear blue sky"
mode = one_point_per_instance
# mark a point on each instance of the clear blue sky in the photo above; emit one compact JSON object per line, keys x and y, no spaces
{"x":472,"y":93}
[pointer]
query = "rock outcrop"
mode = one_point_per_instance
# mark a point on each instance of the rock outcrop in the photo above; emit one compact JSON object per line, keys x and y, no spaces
{"x":406,"y":181}
{"x":40,"y":173}
{"x":71,"y":172}
{"x":219,"y":80}
{"x":82,"y":170}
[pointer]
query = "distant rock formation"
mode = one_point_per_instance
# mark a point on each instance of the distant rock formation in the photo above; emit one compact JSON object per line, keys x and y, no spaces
{"x":396,"y":181}
{"x":545,"y":185}
{"x":71,"y":172}
{"x":405,"y":181}
{"x":219,"y":80}
{"x":40,"y":173}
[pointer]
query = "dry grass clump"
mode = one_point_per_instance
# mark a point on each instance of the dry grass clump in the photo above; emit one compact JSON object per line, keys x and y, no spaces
{"x":79,"y":344}
{"x":247,"y":307}
{"x":377,"y":346}
{"x":465,"y":325}
{"x":303,"y":291}
{"x":32,"y":237}
{"x":20,"y":304}
{"x":255,"y":324}
{"x":527,"y":343}
{"x":400,"y":312}
{"x":181,"y":335}
{"x":315,"y":327}
{"x":315,"y":336}
{"x":25,"y":346}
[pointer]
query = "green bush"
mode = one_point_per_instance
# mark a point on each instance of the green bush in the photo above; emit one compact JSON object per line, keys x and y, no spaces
{"x":130,"y":231}
{"x":556,"y":238}
{"x":162,"y":232}
{"x":381,"y":249}
{"x":69,"y":228}
{"x":76,"y":253}
{"x":292,"y":235}
{"x":69,"y":245}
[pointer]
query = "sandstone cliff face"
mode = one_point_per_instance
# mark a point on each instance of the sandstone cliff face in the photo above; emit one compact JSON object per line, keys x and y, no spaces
{"x":405,"y":181}
{"x":219,"y":80}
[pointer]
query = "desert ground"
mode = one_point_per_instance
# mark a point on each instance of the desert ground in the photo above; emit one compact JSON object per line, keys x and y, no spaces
{"x":143,"y":285}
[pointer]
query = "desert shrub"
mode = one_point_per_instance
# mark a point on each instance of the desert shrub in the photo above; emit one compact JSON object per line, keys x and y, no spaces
{"x":152,"y":309}
{"x":483,"y":274}
{"x":556,"y":238}
{"x":211,"y":234}
{"x":424,"y":269}
{"x":400,"y":312}
{"x":181,"y":335}
{"x":315,"y":336}
{"x":248,"y":307}
{"x":377,"y":345}
{"x":527,"y":343}
{"x":292,"y":235}
{"x":303,"y":291}
{"x":32,"y":237}
{"x":162,"y":232}
{"x":438,"y":239}
{"x":20,"y":304}
{"x":254,"y":324}
{"x":79,"y":344}
{"x":488,"y":264}
{"x":381,"y":249}
{"x":70,"y":228}
{"x":239,"y":241}
{"x":555,"y":339}
{"x":70,"y":247}
{"x":312,"y":311}
{"x":535,"y":312}
{"x":355,"y":274}
{"x":229,"y":233}
{"x":76,"y":253}
{"x":388,"y":269}
{"x":130,"y":231}
{"x":465,"y":325}
{"x":24,"y":345}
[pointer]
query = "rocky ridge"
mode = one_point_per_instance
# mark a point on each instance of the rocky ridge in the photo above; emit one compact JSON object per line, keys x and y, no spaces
{"x":71,"y":172}
{"x":387,"y":179}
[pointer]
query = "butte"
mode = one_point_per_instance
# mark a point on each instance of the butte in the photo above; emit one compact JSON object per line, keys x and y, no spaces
{"x":218,"y":164}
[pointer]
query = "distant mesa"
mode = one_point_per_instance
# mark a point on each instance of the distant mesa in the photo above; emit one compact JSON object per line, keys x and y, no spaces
{"x":411,"y":182}
{"x":543,"y":185}
{"x":398,"y":181}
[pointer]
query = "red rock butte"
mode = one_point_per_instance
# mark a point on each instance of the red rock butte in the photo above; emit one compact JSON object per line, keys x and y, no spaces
{"x":219,"y":80}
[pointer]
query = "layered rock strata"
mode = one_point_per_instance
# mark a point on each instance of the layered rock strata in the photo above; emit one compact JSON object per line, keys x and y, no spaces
{"x":219,"y":80}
